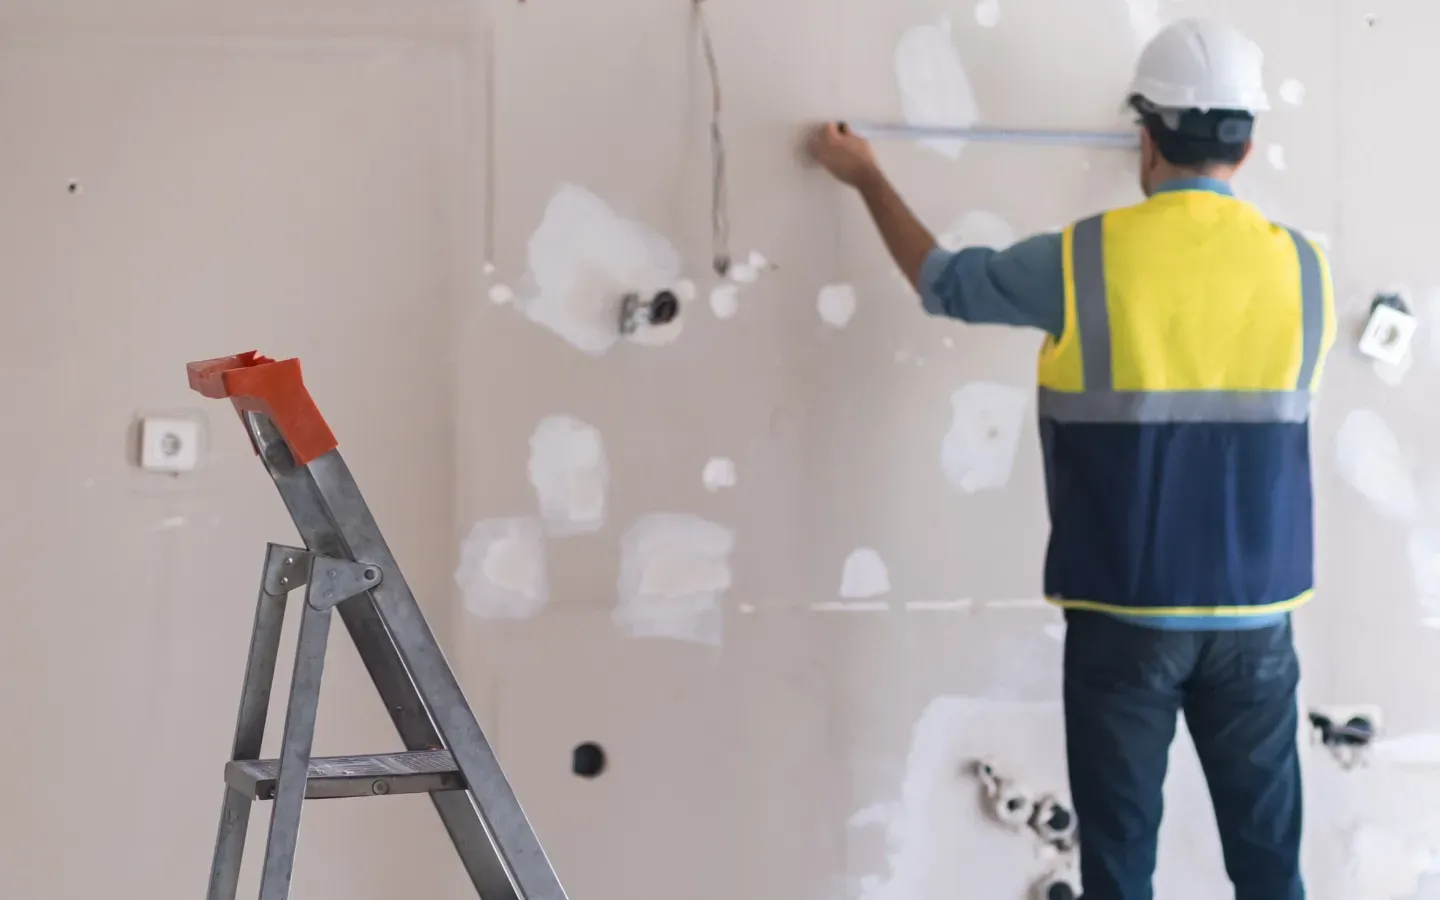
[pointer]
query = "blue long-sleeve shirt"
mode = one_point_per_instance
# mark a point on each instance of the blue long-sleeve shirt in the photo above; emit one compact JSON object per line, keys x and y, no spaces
{"x":1024,"y":285}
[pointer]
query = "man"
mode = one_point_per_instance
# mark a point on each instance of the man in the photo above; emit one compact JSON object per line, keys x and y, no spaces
{"x":1186,"y":337}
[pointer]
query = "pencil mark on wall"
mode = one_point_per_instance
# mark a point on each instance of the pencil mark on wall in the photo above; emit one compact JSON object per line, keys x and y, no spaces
{"x":570,"y":475}
{"x":583,"y":258}
{"x":674,"y":569}
{"x":501,"y":573}
{"x":978,"y":452}
{"x":864,"y":575}
{"x":934,"y":89}
{"x":836,"y":304}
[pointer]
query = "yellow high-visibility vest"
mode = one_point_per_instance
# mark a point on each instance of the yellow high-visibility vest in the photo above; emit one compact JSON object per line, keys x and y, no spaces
{"x":1175,"y":409}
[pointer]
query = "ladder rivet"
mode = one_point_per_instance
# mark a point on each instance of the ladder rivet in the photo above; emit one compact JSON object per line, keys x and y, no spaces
{"x":284,"y":579}
{"x":329,"y":595}
{"x":380,"y":786}
{"x":371,"y":575}
{"x":289,"y":560}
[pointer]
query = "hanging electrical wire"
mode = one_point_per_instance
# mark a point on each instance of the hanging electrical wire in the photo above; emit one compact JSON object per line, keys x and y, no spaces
{"x":719,"y":189}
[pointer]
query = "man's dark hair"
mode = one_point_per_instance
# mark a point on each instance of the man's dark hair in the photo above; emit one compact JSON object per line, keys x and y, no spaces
{"x":1194,"y":138}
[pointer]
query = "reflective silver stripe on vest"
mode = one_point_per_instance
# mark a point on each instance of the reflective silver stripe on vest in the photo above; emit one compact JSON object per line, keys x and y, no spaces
{"x":1092,"y":312}
{"x":1100,"y":402}
{"x":1175,"y":406}
{"x":1312,"y":299}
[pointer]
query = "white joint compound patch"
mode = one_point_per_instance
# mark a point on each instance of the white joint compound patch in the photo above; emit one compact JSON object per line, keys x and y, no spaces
{"x":725,"y":301}
{"x":570,"y":475}
{"x":941,"y":843}
{"x":978,"y":228}
{"x":978,"y":452}
{"x":674,"y":568}
{"x":1371,"y":461}
{"x":1386,"y":864}
{"x":1275,"y":153}
{"x":1292,"y":91}
{"x":501,"y":294}
{"x":1145,"y":19}
{"x":718,"y":474}
{"x":836,"y":304}
{"x":502,"y":569}
{"x":934,"y":89}
{"x":583,"y":259}
{"x":987,"y":13}
{"x":864,"y":575}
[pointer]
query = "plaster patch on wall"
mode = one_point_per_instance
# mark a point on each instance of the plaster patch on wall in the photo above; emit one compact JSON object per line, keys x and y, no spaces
{"x":836,"y":304}
{"x":1394,"y":374}
{"x":1292,"y":91}
{"x":1410,"y":750}
{"x":978,"y":452}
{"x":718,"y":474}
{"x":987,"y":13}
{"x":1370,"y":460}
{"x":674,"y":568}
{"x":582,"y":259}
{"x":725,"y":301}
{"x":934,"y":89}
{"x":1145,"y":19}
{"x":850,"y":606}
{"x":978,"y":228}
{"x":1391,"y":865}
{"x":501,"y":294}
{"x":1025,"y":603}
{"x":570,"y":475}
{"x":748,"y":272}
{"x":502,"y":569}
{"x":1275,"y":153}
{"x":960,"y":606}
{"x":172,"y":522}
{"x":864,"y":575}
{"x":1423,"y":550}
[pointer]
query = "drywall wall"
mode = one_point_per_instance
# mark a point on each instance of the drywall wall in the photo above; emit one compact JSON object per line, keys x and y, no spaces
{"x":780,"y":558}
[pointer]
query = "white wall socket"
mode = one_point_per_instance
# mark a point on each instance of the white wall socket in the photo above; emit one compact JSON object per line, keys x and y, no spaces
{"x":169,"y":444}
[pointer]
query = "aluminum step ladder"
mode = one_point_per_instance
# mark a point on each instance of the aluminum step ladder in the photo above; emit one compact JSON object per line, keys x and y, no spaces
{"x":345,"y":566}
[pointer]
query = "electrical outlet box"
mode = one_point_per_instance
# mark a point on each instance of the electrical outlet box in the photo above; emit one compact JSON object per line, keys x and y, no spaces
{"x":1340,"y":715}
{"x":169,"y":444}
{"x":1389,"y":331}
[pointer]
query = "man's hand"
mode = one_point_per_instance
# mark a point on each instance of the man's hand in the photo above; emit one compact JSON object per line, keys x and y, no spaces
{"x":845,"y":155}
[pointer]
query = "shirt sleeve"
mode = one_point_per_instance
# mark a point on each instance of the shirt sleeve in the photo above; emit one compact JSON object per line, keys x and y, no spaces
{"x":1023,"y":285}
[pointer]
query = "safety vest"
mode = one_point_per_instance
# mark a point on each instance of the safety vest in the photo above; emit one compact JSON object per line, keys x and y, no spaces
{"x":1175,"y":408}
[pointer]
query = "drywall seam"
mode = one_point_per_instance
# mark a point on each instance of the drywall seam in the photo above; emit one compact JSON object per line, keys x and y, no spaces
{"x":583,"y":258}
{"x":674,"y":569}
{"x":978,"y":452}
{"x":934,"y":89}
{"x":501,"y":573}
{"x":570,"y":475}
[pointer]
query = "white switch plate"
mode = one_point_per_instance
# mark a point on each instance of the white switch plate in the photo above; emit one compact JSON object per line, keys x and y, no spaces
{"x":169,"y":445}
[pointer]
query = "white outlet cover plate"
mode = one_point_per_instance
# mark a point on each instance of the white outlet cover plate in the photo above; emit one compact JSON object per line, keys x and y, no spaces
{"x":169,"y":445}
{"x":1387,"y":335}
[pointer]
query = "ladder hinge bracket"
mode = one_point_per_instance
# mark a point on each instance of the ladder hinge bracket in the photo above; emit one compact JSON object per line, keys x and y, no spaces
{"x":333,"y":581}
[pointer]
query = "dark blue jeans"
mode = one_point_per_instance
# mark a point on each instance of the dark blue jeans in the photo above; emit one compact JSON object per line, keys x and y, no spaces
{"x":1124,"y":685}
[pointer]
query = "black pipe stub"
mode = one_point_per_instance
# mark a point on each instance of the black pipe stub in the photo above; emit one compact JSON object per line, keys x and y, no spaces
{"x":660,"y":309}
{"x":588,"y":760}
{"x":664,"y":308}
{"x":1060,"y":891}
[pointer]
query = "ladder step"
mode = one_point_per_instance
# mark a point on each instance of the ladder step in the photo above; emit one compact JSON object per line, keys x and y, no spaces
{"x":331,"y":777}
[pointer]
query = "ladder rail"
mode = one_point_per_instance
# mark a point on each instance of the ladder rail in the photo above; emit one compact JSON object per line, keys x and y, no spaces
{"x":503,"y":856}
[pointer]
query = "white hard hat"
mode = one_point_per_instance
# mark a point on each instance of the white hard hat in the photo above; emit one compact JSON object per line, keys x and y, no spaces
{"x":1203,"y":65}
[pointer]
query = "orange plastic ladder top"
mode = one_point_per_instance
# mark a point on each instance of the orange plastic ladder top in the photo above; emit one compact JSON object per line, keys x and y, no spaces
{"x":255,"y":383}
